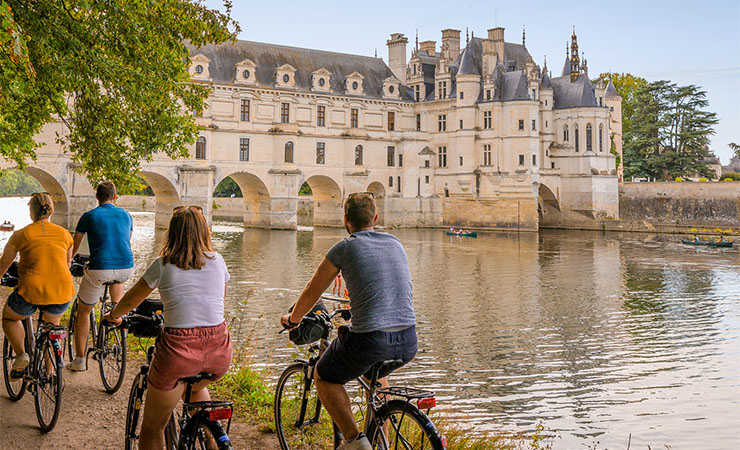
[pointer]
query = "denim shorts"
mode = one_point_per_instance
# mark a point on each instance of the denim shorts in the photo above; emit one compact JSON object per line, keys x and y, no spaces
{"x":353,"y":354}
{"x":21,"y":307}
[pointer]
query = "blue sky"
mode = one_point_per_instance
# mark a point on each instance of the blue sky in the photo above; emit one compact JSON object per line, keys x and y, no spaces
{"x":686,"y":42}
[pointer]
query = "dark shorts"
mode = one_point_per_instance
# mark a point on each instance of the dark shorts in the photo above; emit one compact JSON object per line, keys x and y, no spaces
{"x":353,"y":354}
{"x":21,"y":307}
{"x":186,"y":352}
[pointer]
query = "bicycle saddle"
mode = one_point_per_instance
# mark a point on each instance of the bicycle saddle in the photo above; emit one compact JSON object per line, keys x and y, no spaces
{"x":196,"y":378}
{"x":111,"y":283}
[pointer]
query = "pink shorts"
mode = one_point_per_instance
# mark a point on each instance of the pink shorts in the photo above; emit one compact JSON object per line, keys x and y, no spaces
{"x":184,"y":352}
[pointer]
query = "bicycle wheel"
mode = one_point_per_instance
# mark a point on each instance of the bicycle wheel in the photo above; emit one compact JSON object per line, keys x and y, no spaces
{"x":135,"y":412}
{"x":171,"y":434}
{"x":69,"y":340}
{"x":408,"y":428}
{"x":205,"y":435}
{"x":112,"y":357}
{"x":300,"y":421}
{"x":49,"y":388}
{"x":16,"y":388}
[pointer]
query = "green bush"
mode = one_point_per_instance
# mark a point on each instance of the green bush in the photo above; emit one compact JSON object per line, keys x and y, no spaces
{"x":731,"y":176}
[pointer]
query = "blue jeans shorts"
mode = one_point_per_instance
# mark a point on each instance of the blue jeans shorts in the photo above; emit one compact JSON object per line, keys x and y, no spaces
{"x":353,"y":354}
{"x":21,"y":307}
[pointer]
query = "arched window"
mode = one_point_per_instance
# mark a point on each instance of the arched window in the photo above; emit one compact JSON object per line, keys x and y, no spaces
{"x":358,"y":155}
{"x":575,"y":136}
{"x":601,"y":137}
{"x":589,"y":135}
{"x":289,"y":152}
{"x":390,"y":181}
{"x":200,"y":148}
{"x":565,"y":133}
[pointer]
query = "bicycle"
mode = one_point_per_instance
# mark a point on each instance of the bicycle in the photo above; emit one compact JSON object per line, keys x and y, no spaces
{"x":302,"y":423}
{"x":43,"y":375}
{"x":109,"y":346}
{"x":199,"y":422}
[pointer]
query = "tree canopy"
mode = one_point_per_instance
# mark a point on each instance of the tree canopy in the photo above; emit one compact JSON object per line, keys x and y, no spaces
{"x":112,"y":71}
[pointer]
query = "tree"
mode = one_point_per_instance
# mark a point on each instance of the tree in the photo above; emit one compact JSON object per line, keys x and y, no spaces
{"x":17,"y":183}
{"x":113,"y":72}
{"x":226,"y":188}
{"x":627,"y":86}
{"x":735,"y":148}
{"x":669,"y":132}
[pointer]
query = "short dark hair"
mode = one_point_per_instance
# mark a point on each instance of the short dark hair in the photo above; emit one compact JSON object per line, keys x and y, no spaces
{"x":106,"y":191}
{"x":360,"y":210}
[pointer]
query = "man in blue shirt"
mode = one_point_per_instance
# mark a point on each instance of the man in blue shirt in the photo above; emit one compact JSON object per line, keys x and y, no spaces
{"x":376,"y":270}
{"x":108,"y":229}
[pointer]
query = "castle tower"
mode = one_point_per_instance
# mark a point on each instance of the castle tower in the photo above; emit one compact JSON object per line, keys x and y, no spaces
{"x":397,"y":55}
{"x":575,"y":62}
{"x":614,"y":103}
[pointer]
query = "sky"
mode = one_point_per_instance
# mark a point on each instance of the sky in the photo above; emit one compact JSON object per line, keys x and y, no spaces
{"x":687,"y":42}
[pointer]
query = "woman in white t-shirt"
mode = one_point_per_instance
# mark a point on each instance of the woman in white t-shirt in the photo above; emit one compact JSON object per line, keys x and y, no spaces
{"x":192,"y":279}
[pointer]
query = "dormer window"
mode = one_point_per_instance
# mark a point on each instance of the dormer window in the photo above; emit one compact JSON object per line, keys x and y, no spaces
{"x":199,"y":65}
{"x":353,"y":84}
{"x":285,"y":76}
{"x":391,"y":88}
{"x":320,"y":80}
{"x":244,"y":72}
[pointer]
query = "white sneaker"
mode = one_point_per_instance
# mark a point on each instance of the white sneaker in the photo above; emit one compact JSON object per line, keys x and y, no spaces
{"x":20,"y":363}
{"x":360,"y":443}
{"x":78,"y":365}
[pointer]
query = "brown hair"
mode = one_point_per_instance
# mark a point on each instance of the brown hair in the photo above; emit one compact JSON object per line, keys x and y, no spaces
{"x":106,"y":191}
{"x":187,"y":240}
{"x":41,"y":206}
{"x":360,"y":209}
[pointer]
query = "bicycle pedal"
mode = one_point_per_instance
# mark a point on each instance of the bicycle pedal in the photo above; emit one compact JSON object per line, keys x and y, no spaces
{"x":17,"y":375}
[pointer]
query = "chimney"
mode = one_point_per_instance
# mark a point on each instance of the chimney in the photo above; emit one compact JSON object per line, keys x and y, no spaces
{"x":451,"y":40}
{"x":397,"y":55}
{"x":497,"y":36}
{"x":428,"y":46}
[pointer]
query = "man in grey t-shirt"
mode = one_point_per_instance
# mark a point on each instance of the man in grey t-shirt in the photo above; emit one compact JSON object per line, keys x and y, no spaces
{"x":375,"y":268}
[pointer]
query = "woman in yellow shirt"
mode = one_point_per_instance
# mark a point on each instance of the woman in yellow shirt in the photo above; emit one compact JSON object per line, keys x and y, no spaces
{"x":45,"y":282}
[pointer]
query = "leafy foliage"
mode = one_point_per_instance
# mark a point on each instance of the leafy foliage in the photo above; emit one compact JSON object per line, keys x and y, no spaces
{"x":305,"y":190}
{"x":669,"y":132}
{"x":17,"y":183}
{"x":735,"y":148}
{"x":226,"y":188}
{"x":112,"y":72}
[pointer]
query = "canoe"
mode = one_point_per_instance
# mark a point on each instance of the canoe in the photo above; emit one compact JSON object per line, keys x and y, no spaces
{"x":727,"y":244}
{"x":7,"y":227}
{"x":471,"y":234}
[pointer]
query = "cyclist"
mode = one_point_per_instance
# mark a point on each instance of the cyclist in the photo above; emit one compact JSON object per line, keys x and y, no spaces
{"x":45,"y":282}
{"x":108,"y":229}
{"x":375,"y":270}
{"x":192,"y":279}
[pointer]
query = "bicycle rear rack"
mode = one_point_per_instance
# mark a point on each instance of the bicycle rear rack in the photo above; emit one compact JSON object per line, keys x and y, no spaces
{"x":406,"y":392}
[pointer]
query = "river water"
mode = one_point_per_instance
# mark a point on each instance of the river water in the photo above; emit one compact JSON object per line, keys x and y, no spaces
{"x":596,"y":336}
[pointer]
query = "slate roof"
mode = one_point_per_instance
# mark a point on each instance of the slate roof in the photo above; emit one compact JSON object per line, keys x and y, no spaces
{"x":566,"y":67}
{"x":269,"y":57}
{"x":515,"y":86}
{"x":611,"y":91}
{"x":576,"y":94}
{"x":545,"y":81}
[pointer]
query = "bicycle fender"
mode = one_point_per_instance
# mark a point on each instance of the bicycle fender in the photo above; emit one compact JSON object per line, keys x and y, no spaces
{"x":384,"y":412}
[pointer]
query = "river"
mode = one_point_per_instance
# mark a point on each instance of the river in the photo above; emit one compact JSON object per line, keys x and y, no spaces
{"x":596,"y":336}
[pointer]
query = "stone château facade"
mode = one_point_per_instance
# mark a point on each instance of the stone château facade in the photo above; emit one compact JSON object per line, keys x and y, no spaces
{"x":476,"y":135}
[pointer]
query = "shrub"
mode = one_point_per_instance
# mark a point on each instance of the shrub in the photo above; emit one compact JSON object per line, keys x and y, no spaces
{"x":703,"y":179}
{"x":679,"y":179}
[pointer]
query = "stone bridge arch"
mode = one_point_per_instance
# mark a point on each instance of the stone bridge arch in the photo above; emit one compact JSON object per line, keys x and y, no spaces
{"x":378,"y":191}
{"x":548,"y":207}
{"x":257,"y":211}
{"x":327,"y":201}
{"x":58,"y":194}
{"x":166,"y":196}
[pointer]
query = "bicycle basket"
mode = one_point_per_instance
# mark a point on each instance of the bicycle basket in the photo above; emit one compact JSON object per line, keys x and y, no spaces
{"x":10,"y":278}
{"x":312,"y":328}
{"x":146,"y":328}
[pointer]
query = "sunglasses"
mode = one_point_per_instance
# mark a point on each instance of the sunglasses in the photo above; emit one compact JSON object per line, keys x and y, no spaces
{"x":356,"y":194}
{"x":40,"y":193}
{"x":183,"y":208}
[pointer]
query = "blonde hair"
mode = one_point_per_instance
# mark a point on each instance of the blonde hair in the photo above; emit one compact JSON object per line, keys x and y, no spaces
{"x":187,"y":240}
{"x":41,"y":206}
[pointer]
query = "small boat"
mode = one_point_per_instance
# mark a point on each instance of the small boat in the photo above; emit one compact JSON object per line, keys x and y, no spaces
{"x":725,"y":244}
{"x":461,"y":233}
{"x":7,"y":226}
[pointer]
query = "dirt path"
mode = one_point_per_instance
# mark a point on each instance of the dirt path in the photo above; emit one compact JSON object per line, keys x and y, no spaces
{"x":90,"y":418}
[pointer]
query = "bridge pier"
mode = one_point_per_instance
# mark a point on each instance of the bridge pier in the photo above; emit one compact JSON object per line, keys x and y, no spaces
{"x":196,"y":188}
